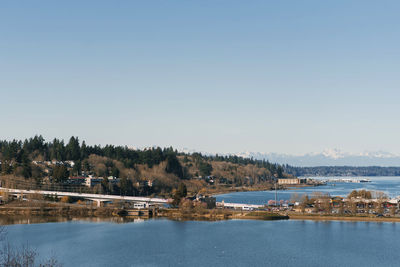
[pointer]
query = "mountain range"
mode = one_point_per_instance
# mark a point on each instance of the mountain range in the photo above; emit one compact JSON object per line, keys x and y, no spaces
{"x":329,"y":157}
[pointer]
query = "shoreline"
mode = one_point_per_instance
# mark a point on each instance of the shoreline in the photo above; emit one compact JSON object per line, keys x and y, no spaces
{"x":229,"y":190}
{"x":25,"y":215}
{"x":301,"y":217}
{"x":34,"y":219}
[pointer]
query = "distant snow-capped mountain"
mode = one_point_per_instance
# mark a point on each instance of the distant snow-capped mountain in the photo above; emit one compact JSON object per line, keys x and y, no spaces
{"x":329,"y":157}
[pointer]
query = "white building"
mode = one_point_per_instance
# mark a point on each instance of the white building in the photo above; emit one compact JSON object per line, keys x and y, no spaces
{"x":291,"y":181}
{"x":92,"y":181}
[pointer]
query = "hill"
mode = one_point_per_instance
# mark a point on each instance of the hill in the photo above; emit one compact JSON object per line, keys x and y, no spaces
{"x":35,"y":163}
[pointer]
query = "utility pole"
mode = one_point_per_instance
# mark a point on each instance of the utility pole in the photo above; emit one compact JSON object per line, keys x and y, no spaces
{"x":276,"y":194}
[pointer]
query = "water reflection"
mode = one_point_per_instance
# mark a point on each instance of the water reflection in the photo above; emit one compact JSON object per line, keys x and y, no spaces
{"x":227,"y":243}
{"x":8,"y":220}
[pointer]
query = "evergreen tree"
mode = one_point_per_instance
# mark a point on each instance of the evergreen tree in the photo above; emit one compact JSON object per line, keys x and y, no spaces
{"x":27,"y":170}
{"x":205,"y":168}
{"x":279,"y":172}
{"x":60,"y":173}
{"x":84,"y":152}
{"x":179,"y":193}
{"x":77,"y":169}
{"x":174,"y":166}
{"x":73,"y":149}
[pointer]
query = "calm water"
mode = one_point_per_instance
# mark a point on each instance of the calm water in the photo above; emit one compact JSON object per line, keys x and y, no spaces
{"x":389,"y":185}
{"x":226,"y":243}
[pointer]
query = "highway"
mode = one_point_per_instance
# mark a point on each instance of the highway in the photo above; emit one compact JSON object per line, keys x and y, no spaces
{"x":98,"y":197}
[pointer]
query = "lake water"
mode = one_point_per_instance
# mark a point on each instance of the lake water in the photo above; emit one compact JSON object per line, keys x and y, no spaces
{"x":388,"y":185}
{"x":224,"y":243}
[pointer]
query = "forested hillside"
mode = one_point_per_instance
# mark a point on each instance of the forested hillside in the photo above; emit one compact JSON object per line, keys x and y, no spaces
{"x":141,"y":172}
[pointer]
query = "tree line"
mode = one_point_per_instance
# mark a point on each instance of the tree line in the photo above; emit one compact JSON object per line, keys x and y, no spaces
{"x":16,"y":157}
{"x":342,"y":171}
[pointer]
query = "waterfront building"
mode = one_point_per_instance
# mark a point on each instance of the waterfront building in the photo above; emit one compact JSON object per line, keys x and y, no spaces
{"x":291,"y":181}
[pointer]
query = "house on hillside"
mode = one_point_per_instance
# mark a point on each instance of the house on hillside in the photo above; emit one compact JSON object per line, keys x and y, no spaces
{"x":76,"y":180}
{"x":93,"y":181}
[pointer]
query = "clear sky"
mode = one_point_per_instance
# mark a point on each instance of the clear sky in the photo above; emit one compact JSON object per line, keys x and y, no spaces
{"x":216,"y":76}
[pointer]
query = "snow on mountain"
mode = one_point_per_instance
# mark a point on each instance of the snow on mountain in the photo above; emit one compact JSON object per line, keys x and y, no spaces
{"x":329,"y":157}
{"x":333,"y":153}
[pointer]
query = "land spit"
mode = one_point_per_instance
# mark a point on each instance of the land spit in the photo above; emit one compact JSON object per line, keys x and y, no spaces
{"x":110,"y":212}
{"x":82,"y":211}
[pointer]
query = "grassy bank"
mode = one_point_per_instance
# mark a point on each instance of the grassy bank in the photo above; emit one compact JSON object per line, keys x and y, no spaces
{"x":262,"y":215}
{"x":44,"y":209}
{"x":218,"y":214}
{"x":46,"y":214}
{"x":317,"y":217}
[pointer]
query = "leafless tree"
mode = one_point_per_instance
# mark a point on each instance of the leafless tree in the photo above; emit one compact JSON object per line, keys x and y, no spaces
{"x":23,"y":256}
{"x":341,"y":208}
{"x":304,"y":203}
{"x":393,"y":210}
{"x":352,"y":206}
{"x":326,"y":204}
{"x":295,"y":197}
{"x":367,"y":207}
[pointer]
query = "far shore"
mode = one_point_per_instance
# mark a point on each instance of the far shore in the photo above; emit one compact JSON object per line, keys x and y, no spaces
{"x":227,"y":190}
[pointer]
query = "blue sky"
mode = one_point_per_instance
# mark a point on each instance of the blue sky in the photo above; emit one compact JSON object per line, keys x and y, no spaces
{"x":216,"y":76}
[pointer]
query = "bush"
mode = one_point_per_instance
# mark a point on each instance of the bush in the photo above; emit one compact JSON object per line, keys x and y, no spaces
{"x":65,"y":199}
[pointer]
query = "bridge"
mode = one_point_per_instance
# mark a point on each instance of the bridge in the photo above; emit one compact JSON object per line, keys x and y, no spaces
{"x":94,"y":197}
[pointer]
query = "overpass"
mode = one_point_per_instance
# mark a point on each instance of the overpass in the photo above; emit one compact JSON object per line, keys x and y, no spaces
{"x":94,"y":197}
